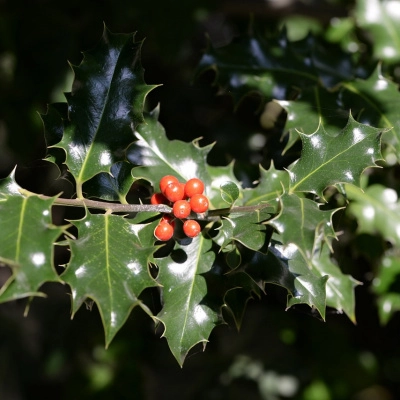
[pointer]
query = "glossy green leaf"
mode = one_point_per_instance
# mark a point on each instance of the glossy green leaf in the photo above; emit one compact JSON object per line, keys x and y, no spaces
{"x":339,"y":287}
{"x":285,"y":266}
{"x":245,"y":228}
{"x":377,"y":210}
{"x":381,"y":19}
{"x":27,"y":238}
{"x":243,"y":288}
{"x":105,"y":103}
{"x":276,"y":67}
{"x":109,"y":264}
{"x":219,"y":176}
{"x":270,"y":186}
{"x":54,"y":124}
{"x":328,"y":160}
{"x":229,"y":192}
{"x":310,"y":288}
{"x":113,"y":186}
{"x":375,"y":101}
{"x":302,"y":223}
{"x":186,"y":315}
{"x":233,"y":257}
{"x":241,"y":68}
{"x":268,"y":268}
{"x":313,"y":106}
{"x":158,"y":156}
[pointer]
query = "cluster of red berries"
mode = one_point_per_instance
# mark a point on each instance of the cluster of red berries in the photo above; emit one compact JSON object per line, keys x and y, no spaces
{"x":184,"y":198}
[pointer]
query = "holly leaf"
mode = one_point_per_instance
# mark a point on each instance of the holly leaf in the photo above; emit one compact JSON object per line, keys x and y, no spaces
{"x":276,"y":67}
{"x":270,"y":187}
{"x":301,"y":222}
{"x":374,"y":101}
{"x":106,"y":101}
{"x":109,"y":264}
{"x":309,"y":287}
{"x":381,"y":20}
{"x":285,"y":266}
{"x":158,"y":156}
{"x":113,"y":186}
{"x":233,"y":257}
{"x":241,"y":68}
{"x":27,"y":239}
{"x":54,"y":124}
{"x":242,"y":289}
{"x":186,"y":315}
{"x":339,"y":287}
{"x":229,"y":192}
{"x":245,"y":228}
{"x":313,"y":106}
{"x":328,"y":160}
{"x":377,"y":211}
{"x":220,"y":176}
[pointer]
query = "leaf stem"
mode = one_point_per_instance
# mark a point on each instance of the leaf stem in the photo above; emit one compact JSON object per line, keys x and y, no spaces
{"x":79,"y":192}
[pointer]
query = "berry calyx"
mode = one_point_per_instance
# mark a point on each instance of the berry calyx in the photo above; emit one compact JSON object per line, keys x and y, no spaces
{"x":181,"y":209}
{"x":158,"y":198}
{"x":194,"y":186}
{"x":174,"y":191}
{"x":191,"y":228}
{"x":166,"y":180}
{"x":199,"y":203}
{"x":169,"y":219}
{"x":164,"y":231}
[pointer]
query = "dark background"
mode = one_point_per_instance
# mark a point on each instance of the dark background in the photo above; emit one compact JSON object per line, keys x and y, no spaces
{"x":286,"y":354}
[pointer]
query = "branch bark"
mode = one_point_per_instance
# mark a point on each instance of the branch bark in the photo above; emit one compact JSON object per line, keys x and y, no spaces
{"x":210,"y":215}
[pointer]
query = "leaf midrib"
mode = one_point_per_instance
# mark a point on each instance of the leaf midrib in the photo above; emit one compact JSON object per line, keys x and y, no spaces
{"x":87,"y":157}
{"x":189,"y":298}
{"x":293,"y":188}
{"x":107,"y":258}
{"x":20,"y":229}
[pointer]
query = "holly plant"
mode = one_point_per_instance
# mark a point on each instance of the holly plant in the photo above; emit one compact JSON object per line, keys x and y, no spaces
{"x":280,"y":230}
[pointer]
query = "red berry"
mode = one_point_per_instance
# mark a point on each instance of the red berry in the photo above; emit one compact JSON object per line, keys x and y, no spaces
{"x":199,"y":203}
{"x":181,"y":209}
{"x":194,"y":186}
{"x":166,"y":180}
{"x":183,"y":188}
{"x":191,"y":228}
{"x":164,"y":231}
{"x":174,"y":191}
{"x":158,"y":198}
